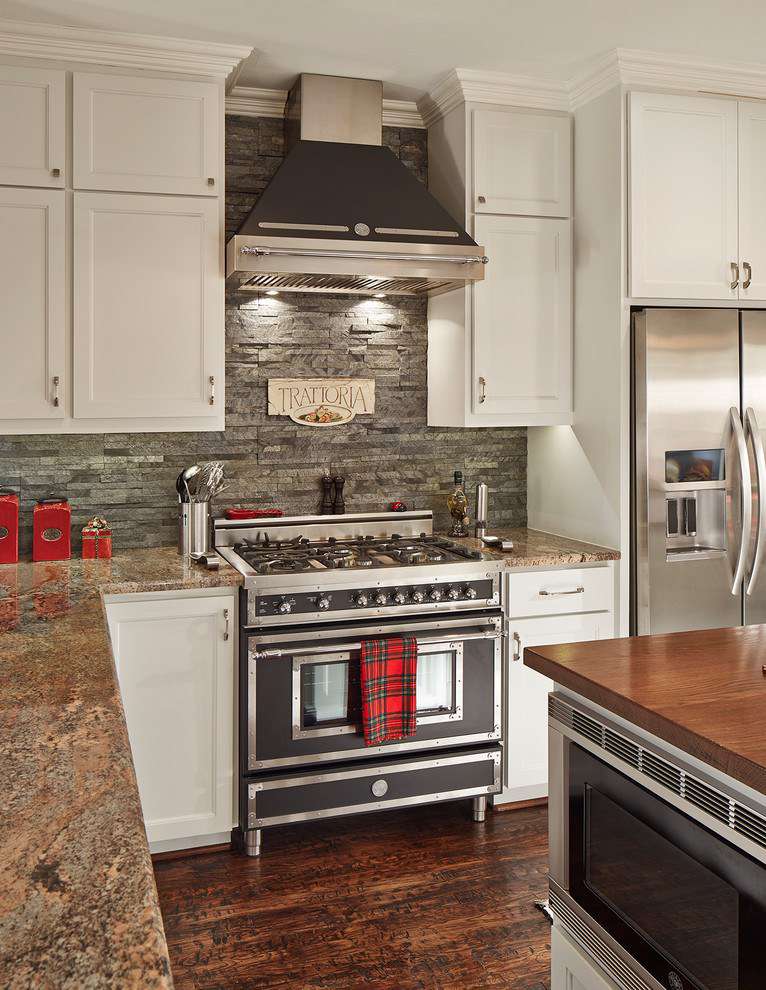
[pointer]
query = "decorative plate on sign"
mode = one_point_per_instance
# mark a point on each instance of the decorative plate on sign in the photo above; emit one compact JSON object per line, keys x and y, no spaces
{"x":321,"y":401}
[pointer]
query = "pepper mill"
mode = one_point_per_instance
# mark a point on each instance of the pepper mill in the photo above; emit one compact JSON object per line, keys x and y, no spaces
{"x":340,"y":505}
{"x":328,"y":499}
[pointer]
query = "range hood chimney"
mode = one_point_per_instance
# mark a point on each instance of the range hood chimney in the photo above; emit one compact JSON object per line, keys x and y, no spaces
{"x":343,"y":214}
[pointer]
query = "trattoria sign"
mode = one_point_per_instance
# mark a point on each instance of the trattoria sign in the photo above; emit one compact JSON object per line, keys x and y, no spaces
{"x":321,"y":401}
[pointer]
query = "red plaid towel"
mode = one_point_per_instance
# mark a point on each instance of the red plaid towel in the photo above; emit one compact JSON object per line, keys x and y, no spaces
{"x":388,"y":672}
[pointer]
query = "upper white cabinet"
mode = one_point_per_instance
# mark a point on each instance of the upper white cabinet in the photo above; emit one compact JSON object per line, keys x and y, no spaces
{"x":33,"y":126}
{"x":33,"y":370}
{"x":175,"y":660}
{"x":522,"y":335}
{"x":697,"y":201}
{"x":147,"y":306}
{"x":136,"y":134}
{"x":522,"y":163}
{"x":752,"y":199}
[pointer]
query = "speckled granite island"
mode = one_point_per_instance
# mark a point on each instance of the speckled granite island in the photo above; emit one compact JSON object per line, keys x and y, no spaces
{"x":78,"y":905}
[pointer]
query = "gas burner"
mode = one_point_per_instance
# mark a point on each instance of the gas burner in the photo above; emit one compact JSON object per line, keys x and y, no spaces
{"x":285,"y":565}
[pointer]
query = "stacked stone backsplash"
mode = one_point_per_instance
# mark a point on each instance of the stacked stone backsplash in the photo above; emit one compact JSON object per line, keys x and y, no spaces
{"x":269,"y":460}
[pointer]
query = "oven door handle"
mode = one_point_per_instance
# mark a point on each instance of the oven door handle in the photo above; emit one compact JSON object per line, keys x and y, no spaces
{"x":490,"y":633}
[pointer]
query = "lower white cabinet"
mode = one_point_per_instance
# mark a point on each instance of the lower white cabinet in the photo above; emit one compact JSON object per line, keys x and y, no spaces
{"x":572,"y":969}
{"x":532,"y":622}
{"x":175,"y":660}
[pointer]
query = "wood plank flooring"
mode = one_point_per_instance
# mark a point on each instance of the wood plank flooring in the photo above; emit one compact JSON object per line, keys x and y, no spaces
{"x":410,"y":900}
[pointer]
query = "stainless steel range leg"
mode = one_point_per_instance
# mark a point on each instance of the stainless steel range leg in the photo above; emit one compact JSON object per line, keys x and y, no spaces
{"x":480,"y":808}
{"x":253,"y":842}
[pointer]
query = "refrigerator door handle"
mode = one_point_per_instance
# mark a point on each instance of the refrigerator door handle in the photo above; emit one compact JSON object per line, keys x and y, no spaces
{"x":753,"y":430}
{"x":747,"y":500}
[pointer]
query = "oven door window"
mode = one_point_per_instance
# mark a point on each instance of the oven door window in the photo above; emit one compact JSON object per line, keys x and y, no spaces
{"x":327,"y":693}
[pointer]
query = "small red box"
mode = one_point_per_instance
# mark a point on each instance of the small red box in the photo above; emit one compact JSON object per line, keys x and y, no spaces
{"x":51,"y":537}
{"x":96,"y":540}
{"x":9,"y":526}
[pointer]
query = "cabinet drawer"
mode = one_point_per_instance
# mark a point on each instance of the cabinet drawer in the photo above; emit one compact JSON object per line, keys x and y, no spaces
{"x":576,"y":589}
{"x":372,"y":787}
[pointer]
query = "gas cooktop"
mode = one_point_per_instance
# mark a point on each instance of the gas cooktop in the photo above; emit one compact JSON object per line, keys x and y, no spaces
{"x":300,"y":554}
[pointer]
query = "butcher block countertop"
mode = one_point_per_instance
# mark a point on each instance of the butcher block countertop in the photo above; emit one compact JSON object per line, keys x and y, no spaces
{"x":78,"y":905}
{"x":704,"y":692}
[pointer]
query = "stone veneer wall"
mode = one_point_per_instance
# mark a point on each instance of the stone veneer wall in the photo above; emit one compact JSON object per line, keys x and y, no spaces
{"x":269,"y":460}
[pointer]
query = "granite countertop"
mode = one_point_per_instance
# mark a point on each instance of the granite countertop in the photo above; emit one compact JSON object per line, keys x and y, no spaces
{"x":704,"y":691}
{"x":78,"y":905}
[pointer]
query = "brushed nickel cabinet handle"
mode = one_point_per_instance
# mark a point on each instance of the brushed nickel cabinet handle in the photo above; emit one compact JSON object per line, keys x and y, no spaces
{"x":482,"y":199}
{"x":734,"y":276}
{"x":226,"y":624}
{"x":211,"y":181}
{"x":55,"y":172}
{"x":748,"y":274}
{"x":482,"y":389}
{"x":212,"y":390}
{"x":559,"y":594}
{"x":517,"y":646}
{"x":56,"y":390}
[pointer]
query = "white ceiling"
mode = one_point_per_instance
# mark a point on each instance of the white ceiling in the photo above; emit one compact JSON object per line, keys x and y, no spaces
{"x":411,"y":44}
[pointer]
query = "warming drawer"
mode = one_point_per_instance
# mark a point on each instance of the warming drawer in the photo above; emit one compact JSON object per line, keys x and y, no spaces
{"x":277,"y":800}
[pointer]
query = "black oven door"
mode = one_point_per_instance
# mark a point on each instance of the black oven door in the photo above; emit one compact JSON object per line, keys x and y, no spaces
{"x":303,"y":694}
{"x":688,"y":906}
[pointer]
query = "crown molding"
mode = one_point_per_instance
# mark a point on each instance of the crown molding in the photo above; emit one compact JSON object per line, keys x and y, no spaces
{"x":494,"y":88}
{"x":120,"y":49}
{"x":250,"y":101}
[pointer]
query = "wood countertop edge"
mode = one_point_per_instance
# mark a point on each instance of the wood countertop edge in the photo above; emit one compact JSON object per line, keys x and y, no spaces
{"x":736,"y":766}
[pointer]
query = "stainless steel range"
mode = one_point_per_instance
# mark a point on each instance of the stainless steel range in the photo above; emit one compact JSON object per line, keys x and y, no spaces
{"x":314,"y":588}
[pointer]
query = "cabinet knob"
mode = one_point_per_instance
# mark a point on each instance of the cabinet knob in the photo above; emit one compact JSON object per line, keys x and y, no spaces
{"x":211,"y":181}
{"x":55,"y":172}
{"x":482,"y":199}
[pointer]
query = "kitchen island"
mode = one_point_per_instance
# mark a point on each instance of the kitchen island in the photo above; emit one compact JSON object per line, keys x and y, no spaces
{"x":658,"y":810}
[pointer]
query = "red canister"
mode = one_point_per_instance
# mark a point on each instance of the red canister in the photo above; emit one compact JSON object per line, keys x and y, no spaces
{"x":9,"y":526}
{"x":51,"y":539}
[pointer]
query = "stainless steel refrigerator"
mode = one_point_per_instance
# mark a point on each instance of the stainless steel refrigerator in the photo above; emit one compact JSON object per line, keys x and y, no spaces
{"x":698,"y":469}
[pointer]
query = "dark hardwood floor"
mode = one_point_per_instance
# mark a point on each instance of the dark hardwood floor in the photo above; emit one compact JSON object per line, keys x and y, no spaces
{"x":420,"y":898}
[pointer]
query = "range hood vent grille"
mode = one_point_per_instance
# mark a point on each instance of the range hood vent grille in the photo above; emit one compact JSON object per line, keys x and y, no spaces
{"x":351,"y":284}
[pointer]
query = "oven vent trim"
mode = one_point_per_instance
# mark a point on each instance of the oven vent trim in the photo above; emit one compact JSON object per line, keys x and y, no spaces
{"x":595,"y":946}
{"x":674,"y":778}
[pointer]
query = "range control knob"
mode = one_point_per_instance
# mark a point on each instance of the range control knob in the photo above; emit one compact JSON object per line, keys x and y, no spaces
{"x":418,"y":596}
{"x":323,"y":602}
{"x":469,"y":592}
{"x":399,"y":598}
{"x":285,"y":607}
{"x":361,"y":599}
{"x":435,"y":594}
{"x":453,"y":594}
{"x":380,"y":598}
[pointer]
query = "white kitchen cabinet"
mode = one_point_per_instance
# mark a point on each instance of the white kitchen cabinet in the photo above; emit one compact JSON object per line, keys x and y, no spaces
{"x":572,"y":968}
{"x":683,"y":197}
{"x":148,"y":306}
{"x":142,"y":134}
{"x":175,"y":661}
{"x":752,"y":199}
{"x":545,"y":607}
{"x":33,"y":370}
{"x":522,"y":163}
{"x":33,"y":126}
{"x":522,"y":325}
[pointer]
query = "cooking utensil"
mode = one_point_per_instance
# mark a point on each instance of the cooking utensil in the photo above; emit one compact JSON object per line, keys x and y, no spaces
{"x":183,"y":494}
{"x":209,"y":481}
{"x":188,"y":476}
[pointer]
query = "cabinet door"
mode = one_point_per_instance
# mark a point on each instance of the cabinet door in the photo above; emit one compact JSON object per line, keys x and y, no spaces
{"x":522,"y":320}
{"x":752,"y":200}
{"x":146,"y":135}
{"x":33,"y":324}
{"x":572,"y":968}
{"x":32,"y":124}
{"x":683,"y":196}
{"x":526,"y":749}
{"x":175,"y":667}
{"x":148,"y":306}
{"x":522,"y":163}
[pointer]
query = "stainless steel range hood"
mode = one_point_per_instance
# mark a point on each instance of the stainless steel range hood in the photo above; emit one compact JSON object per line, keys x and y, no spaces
{"x":343,"y":214}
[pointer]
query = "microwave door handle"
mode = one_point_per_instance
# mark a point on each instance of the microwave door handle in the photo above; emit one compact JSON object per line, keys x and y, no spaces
{"x":753,"y":430}
{"x":747,"y":500}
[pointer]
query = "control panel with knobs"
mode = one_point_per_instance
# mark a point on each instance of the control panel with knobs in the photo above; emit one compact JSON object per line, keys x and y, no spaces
{"x":361,"y":599}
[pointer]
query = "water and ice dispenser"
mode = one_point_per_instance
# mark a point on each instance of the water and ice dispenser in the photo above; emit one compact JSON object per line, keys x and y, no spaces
{"x":695,"y":505}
